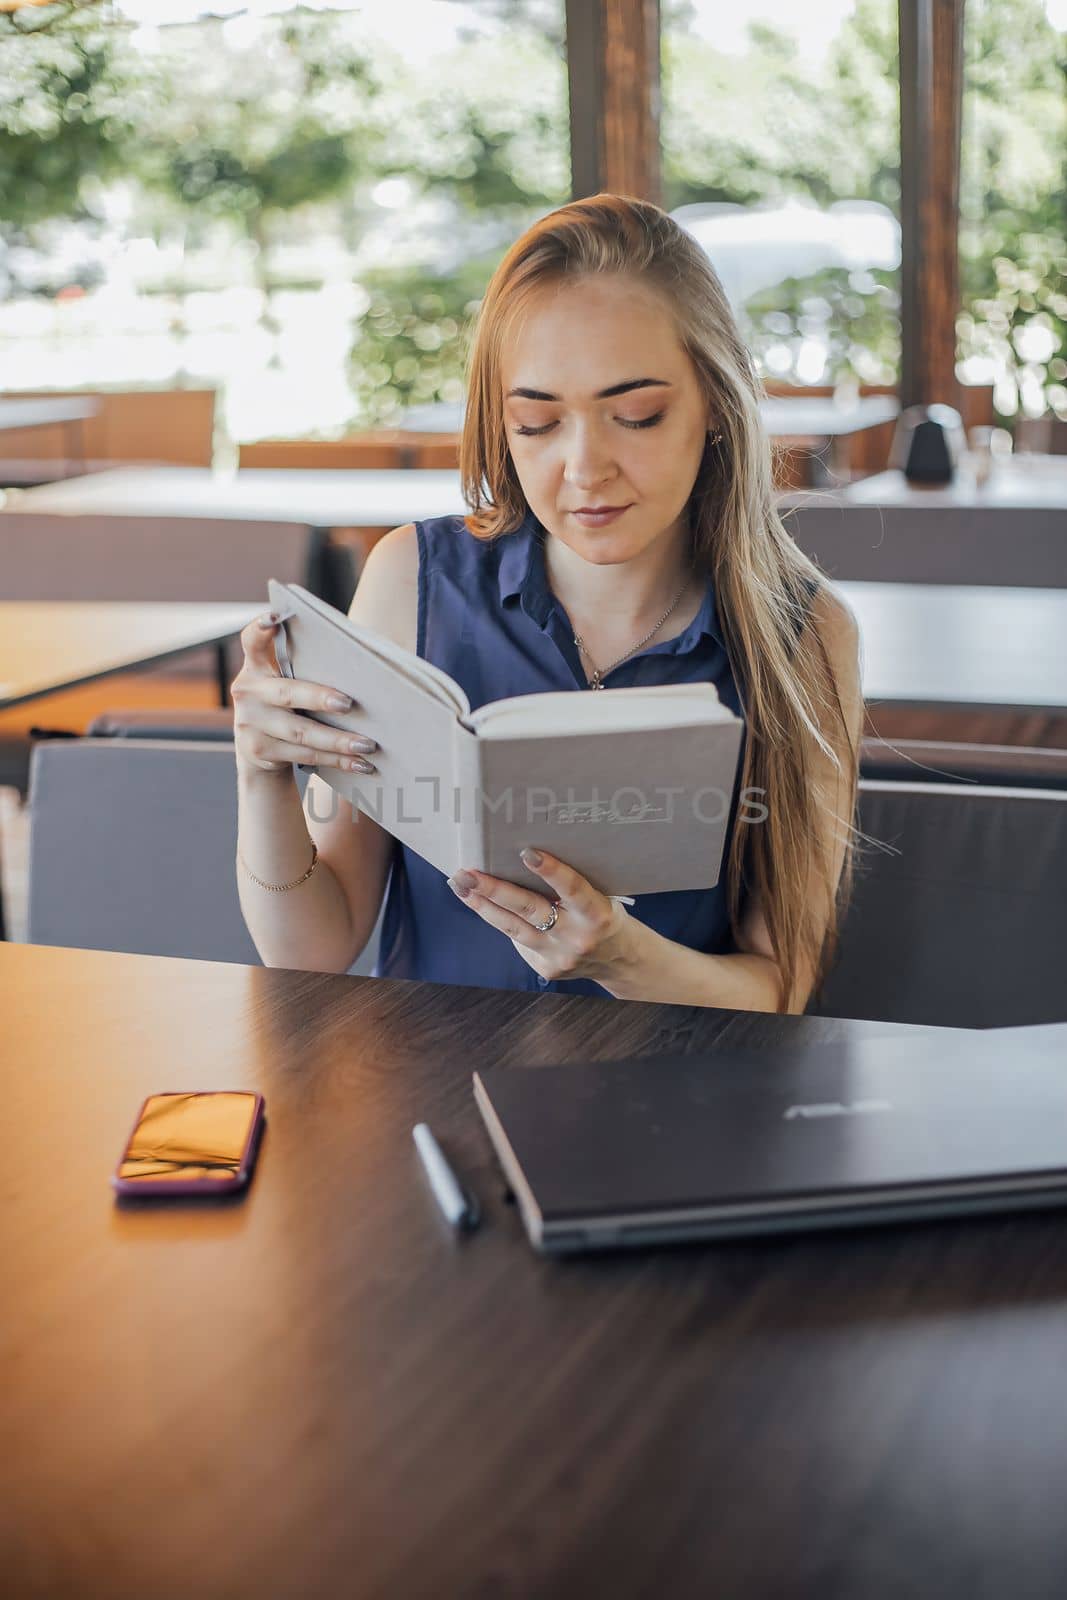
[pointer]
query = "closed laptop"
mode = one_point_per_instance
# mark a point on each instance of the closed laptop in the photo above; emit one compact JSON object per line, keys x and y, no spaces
{"x":616,"y":1153}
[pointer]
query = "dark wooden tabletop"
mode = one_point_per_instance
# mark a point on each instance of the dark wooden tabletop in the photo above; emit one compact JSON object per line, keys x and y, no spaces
{"x":318,"y":1390}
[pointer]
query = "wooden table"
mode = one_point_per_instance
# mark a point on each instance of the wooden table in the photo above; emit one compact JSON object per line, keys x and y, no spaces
{"x":823,"y":429}
{"x":59,"y":644}
{"x":320,"y":1391}
{"x":924,"y":644}
{"x":321,"y":499}
{"x":1016,"y":482}
{"x":957,"y":647}
{"x":818,"y":419}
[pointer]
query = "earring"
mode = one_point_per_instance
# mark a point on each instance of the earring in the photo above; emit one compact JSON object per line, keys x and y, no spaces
{"x":716,"y":437}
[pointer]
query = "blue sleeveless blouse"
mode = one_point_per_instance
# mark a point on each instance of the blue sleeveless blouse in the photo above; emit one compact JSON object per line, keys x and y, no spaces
{"x":487,"y":616}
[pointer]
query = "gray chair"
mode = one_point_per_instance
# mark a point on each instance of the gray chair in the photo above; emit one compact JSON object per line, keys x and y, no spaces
{"x":46,"y":556}
{"x":1025,"y":546}
{"x":15,"y":763}
{"x":959,"y":913}
{"x":132,"y":845}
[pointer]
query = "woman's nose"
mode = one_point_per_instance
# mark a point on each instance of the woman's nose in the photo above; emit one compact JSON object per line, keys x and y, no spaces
{"x":588,"y":460}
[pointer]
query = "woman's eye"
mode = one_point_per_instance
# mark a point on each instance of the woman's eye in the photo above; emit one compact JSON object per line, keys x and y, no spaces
{"x":646,"y":422}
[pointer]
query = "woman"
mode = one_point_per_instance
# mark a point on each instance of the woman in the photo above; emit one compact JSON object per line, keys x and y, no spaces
{"x":621,"y":528}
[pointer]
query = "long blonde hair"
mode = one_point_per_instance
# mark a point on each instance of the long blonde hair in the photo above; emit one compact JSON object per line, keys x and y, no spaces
{"x":762,"y":581}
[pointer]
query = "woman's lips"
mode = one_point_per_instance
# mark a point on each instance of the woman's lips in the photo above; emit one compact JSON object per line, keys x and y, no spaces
{"x":599,"y":519}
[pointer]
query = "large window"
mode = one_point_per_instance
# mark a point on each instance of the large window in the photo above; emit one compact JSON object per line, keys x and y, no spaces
{"x":1013,"y":207}
{"x":298,"y":203}
{"x":781,"y":152}
{"x":303,"y":203}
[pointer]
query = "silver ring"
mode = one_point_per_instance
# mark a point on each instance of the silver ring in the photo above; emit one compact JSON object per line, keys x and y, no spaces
{"x":550,"y":922}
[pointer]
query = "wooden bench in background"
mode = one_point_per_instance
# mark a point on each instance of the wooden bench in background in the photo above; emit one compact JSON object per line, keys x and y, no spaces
{"x":388,"y":449}
{"x":169,"y":425}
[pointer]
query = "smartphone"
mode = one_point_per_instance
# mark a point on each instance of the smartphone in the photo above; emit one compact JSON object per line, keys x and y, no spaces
{"x":201,"y":1143}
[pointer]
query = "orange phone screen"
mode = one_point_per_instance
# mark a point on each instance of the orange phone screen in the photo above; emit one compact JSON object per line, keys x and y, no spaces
{"x":183,"y":1137}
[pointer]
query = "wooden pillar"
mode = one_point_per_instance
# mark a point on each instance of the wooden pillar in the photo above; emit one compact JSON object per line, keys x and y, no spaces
{"x":931,"y":98}
{"x":613,"y":66}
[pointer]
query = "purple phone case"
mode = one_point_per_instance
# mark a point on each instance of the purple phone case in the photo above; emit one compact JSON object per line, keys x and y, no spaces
{"x":164,"y":1186}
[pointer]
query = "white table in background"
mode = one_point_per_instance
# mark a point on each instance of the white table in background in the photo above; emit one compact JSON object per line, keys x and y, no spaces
{"x":961,"y":647}
{"x":1015,"y":483}
{"x":810,"y":417}
{"x":326,"y":498}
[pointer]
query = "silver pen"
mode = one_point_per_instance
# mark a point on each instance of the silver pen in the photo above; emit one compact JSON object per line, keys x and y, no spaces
{"x":458,"y":1205}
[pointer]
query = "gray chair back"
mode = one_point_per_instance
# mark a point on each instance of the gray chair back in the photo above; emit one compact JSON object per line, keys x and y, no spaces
{"x":1024,"y":546}
{"x":132,"y":846}
{"x":47,"y":556}
{"x":165,"y":722}
{"x":961,"y":921}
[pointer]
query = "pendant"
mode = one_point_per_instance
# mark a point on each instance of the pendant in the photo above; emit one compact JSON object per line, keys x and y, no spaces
{"x":596,"y":683}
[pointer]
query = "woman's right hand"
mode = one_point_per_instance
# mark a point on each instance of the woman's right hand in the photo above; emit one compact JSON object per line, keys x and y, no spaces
{"x":268,"y":732}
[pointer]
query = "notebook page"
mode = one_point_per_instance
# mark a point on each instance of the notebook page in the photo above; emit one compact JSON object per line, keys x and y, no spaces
{"x":418,"y":671}
{"x":555,"y":714}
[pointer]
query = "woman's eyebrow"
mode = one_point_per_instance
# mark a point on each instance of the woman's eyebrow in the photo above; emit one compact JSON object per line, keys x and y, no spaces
{"x":603,"y":394}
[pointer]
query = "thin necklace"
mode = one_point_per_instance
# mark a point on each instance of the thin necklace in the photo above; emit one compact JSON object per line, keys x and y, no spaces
{"x":598,"y":675}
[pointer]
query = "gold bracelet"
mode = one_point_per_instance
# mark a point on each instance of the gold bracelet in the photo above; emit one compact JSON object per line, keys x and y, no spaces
{"x":277,"y":888}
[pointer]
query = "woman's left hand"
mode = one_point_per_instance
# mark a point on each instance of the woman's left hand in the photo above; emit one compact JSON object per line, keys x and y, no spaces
{"x":592,"y":933}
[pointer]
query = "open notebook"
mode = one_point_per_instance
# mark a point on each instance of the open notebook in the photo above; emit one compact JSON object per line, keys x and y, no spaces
{"x":631,"y":787}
